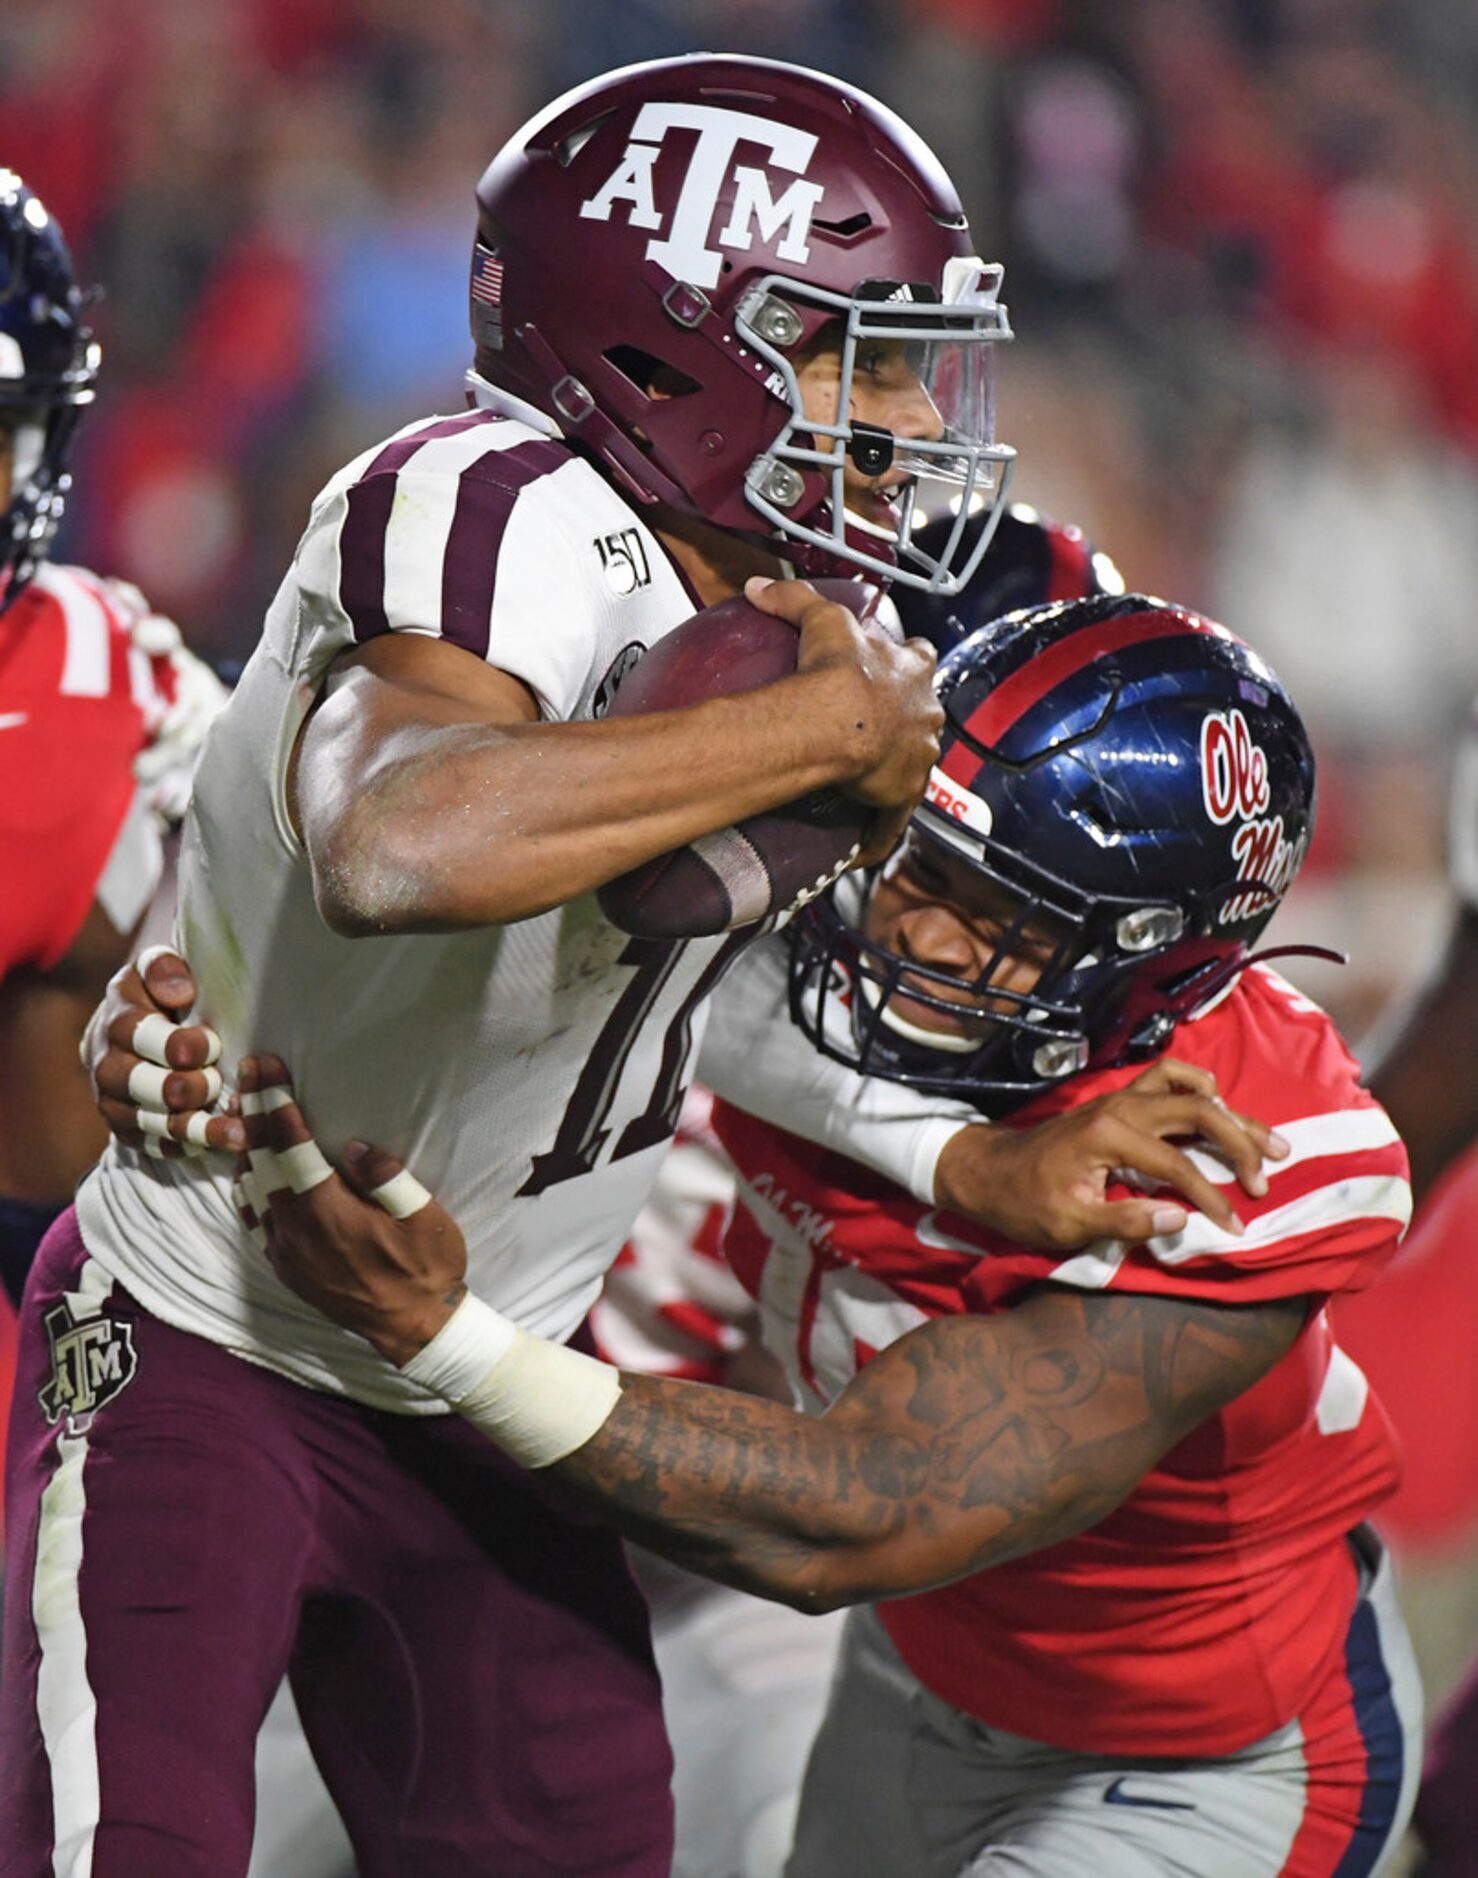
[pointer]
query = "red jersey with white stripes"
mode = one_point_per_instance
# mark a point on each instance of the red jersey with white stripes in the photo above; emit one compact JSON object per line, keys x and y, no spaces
{"x":78,"y":702}
{"x":1200,"y":1614}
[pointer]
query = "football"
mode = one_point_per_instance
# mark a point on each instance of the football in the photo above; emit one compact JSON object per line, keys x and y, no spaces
{"x":769,"y":863}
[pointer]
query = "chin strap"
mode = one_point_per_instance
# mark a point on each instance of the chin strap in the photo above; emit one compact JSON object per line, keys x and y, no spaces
{"x":1327,"y":953}
{"x":1200,"y":989}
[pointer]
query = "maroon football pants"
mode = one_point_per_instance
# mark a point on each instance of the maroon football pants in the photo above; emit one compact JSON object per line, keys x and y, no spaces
{"x":471,"y":1664}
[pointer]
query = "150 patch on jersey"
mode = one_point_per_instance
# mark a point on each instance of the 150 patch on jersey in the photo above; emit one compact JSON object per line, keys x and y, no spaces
{"x":1235,"y":787}
{"x":92,"y":1359}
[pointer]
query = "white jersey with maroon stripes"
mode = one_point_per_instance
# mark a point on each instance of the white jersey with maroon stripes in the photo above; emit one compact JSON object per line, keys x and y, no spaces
{"x":671,"y":1305}
{"x":531,"y":1074}
{"x":79,"y":702}
{"x":1197,"y":1617}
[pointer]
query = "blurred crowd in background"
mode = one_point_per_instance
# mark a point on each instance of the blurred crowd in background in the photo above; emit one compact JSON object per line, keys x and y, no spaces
{"x":1241,"y":247}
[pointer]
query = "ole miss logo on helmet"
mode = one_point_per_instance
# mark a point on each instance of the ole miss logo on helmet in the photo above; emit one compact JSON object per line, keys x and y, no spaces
{"x":683,"y":247}
{"x":1234,"y":786}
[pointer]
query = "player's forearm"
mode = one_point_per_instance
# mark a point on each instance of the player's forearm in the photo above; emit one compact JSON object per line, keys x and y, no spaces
{"x":813,"y":1514}
{"x":1423,"y":1063}
{"x":462,"y":825}
{"x":950,"y":1452}
{"x":759,"y":1061}
{"x":965,"y":1443}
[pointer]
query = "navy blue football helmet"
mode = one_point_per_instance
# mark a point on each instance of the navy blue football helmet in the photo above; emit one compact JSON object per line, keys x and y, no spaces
{"x":48,"y":371}
{"x":1130,"y":779}
{"x":1031,"y":561}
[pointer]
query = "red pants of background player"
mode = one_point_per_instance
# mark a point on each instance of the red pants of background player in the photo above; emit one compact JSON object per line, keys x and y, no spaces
{"x":471,"y":1664}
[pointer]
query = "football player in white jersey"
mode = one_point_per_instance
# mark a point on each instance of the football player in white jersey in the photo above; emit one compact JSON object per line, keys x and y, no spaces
{"x":1156,"y":1633}
{"x":387,"y":871}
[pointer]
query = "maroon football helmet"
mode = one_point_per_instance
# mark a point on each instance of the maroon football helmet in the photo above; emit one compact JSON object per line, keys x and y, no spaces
{"x":656,"y":248}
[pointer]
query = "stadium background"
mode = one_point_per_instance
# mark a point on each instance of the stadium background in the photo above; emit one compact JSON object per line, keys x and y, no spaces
{"x":1241,"y":241}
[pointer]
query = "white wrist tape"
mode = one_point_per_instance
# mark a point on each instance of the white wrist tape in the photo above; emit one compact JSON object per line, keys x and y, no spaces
{"x":537,"y":1401}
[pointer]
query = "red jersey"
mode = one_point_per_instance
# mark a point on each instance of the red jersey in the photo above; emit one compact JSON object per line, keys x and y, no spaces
{"x":1200,"y":1614}
{"x":78,"y":702}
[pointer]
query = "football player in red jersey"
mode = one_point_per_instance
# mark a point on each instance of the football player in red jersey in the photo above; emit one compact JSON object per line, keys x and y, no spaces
{"x":101,"y":712}
{"x":744,"y":1679}
{"x":791,"y":330}
{"x":1153,"y":1630}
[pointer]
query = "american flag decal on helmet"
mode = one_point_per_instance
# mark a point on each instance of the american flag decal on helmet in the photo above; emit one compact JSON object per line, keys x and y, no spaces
{"x":487,"y":297}
{"x":487,"y":276}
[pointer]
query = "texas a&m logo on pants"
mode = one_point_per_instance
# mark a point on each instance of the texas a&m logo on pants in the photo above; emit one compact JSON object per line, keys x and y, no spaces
{"x":92,"y":1358}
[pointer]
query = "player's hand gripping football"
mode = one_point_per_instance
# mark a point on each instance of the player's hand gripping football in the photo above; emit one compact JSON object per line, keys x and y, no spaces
{"x":1048,"y":1185}
{"x":154,"y":1078}
{"x":885,"y":699}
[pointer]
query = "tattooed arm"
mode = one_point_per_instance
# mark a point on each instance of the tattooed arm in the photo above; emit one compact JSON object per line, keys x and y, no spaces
{"x":969,"y":1441}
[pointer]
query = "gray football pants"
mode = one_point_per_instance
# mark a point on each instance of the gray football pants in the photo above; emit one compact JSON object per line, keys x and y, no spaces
{"x":902,"y":1785}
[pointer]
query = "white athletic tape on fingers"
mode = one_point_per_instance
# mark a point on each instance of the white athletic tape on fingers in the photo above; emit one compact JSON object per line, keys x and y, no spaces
{"x":213,"y":1086}
{"x":153,"y":1122}
{"x":264,"y":1101}
{"x":150,"y":1035}
{"x":304,"y":1166}
{"x":147,"y":957}
{"x":196,"y":1130}
{"x":402,"y":1196}
{"x":154,"y":1149}
{"x":537,"y":1401}
{"x":146,"y":1085}
{"x":212,"y":1046}
{"x":194,"y":1151}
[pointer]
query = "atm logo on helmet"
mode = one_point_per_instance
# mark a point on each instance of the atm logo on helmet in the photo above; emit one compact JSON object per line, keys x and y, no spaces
{"x":684,"y":249}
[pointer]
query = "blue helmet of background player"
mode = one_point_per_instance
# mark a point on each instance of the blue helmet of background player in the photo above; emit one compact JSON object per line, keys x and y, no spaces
{"x":1031,"y":561}
{"x":1131,"y":779}
{"x":48,"y":370}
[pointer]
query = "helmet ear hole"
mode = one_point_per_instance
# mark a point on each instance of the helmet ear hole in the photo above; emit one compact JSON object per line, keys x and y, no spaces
{"x":651,"y":376}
